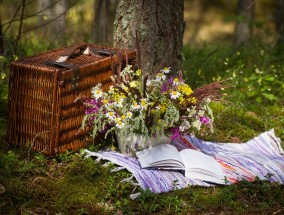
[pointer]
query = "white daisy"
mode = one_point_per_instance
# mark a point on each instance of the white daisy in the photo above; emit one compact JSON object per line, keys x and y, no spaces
{"x":110,"y":115}
{"x":166,"y":70}
{"x":111,"y":89}
{"x":174,"y":94}
{"x":117,"y":119}
{"x":135,"y":106}
{"x":148,"y":83}
{"x":97,"y":92}
{"x":119,"y":124}
{"x":144,"y":104}
{"x":197,"y":124}
{"x":184,"y":125}
{"x":160,"y":76}
{"x":119,"y":103}
{"x":129,"y":114}
{"x":105,"y":101}
{"x":176,"y":82}
{"x":123,"y":117}
{"x":191,"y":112}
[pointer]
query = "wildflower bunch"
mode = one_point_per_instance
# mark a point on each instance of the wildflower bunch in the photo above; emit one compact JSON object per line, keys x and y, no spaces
{"x":135,"y":103}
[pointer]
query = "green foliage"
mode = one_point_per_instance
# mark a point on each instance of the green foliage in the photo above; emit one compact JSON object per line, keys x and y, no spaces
{"x":12,"y":164}
{"x":253,"y":73}
{"x":262,"y":83}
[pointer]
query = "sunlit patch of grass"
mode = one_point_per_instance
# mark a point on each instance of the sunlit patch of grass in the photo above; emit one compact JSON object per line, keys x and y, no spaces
{"x":233,"y":123}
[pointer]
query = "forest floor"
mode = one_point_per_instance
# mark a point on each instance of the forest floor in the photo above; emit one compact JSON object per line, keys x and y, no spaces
{"x":32,"y":183}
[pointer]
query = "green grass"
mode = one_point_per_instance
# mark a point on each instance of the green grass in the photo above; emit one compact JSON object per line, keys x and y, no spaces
{"x":80,"y":186}
{"x":31,"y":183}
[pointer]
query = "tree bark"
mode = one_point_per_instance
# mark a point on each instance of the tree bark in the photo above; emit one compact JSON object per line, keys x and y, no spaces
{"x":101,"y":25}
{"x":45,"y":8}
{"x":279,"y":20}
{"x":1,"y":39}
{"x":245,"y":12}
{"x":59,"y":24}
{"x":158,"y":27}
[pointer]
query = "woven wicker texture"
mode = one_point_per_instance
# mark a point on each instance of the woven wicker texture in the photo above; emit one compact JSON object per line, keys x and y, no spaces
{"x":42,"y":108}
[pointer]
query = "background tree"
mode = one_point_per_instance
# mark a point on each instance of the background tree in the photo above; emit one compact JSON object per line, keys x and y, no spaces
{"x":44,"y":12}
{"x":59,"y":26}
{"x":103,"y":21}
{"x":158,"y":28}
{"x":245,"y":12}
{"x":279,"y":22}
{"x":1,"y":39}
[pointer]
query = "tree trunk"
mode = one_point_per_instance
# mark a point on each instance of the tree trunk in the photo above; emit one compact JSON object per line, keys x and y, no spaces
{"x":1,"y":39}
{"x":101,"y":27}
{"x":158,"y":27}
{"x":245,"y":12}
{"x":45,"y":14}
{"x":59,"y":24}
{"x":279,"y":21}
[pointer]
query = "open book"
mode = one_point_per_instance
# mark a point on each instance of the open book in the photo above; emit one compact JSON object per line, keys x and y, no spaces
{"x":195,"y":164}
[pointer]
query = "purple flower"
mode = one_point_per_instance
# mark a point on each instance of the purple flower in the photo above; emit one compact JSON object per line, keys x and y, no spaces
{"x":205,"y":120}
{"x":92,"y":106}
{"x":181,"y":79}
{"x":168,"y":85}
{"x":175,"y":133}
{"x":106,"y":128}
{"x":164,"y":87}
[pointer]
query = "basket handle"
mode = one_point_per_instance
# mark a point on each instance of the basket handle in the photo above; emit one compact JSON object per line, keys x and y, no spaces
{"x":69,"y":51}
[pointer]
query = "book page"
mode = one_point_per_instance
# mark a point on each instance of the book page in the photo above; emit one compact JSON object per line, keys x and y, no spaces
{"x":162,"y":156}
{"x":203,"y":177}
{"x":198,"y":164}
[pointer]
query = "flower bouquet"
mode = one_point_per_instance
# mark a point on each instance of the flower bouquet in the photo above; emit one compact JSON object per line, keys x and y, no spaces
{"x":138,"y":108}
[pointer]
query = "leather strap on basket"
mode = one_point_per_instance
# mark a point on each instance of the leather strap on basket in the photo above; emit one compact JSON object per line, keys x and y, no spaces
{"x":68,"y":52}
{"x":103,"y":52}
{"x":76,"y":71}
{"x":65,"y":56}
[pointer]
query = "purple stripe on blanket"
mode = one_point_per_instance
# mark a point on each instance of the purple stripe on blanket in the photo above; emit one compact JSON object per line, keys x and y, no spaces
{"x":259,"y":157}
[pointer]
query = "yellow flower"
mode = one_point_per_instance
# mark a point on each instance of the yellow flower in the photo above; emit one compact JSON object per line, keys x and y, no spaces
{"x":125,"y":88}
{"x":162,"y":108}
{"x":105,"y":101}
{"x":133,"y":83}
{"x":138,"y":72}
{"x":192,"y":100}
{"x":181,"y":100}
{"x":185,"y":89}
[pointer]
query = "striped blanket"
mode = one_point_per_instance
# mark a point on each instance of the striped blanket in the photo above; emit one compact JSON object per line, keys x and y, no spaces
{"x":261,"y":157}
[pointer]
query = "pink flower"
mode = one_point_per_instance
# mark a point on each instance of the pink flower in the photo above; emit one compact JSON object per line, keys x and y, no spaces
{"x":175,"y":133}
{"x":205,"y":120}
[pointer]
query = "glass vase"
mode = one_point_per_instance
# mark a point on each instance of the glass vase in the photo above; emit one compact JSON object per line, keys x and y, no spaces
{"x":131,"y":143}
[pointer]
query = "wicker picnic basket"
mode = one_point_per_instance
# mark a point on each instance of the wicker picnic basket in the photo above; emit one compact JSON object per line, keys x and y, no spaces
{"x":43,"y":89}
